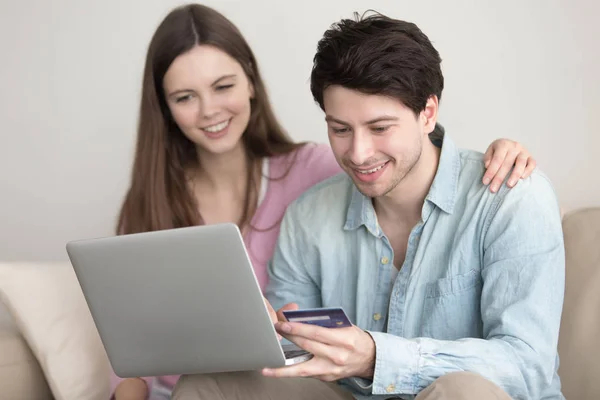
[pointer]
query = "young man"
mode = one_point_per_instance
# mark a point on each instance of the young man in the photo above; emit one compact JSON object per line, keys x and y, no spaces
{"x":455,"y":292}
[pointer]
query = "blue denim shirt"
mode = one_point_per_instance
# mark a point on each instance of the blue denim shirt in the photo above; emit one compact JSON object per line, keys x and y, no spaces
{"x":481,"y":288}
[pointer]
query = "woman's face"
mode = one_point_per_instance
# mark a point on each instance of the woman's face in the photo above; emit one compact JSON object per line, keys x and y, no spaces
{"x":208,"y":94}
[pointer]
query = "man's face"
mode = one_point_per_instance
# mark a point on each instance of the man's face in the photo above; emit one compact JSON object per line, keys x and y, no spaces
{"x":376,"y":139}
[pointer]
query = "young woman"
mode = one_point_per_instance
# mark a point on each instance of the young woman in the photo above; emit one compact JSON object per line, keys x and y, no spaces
{"x":210,"y":150}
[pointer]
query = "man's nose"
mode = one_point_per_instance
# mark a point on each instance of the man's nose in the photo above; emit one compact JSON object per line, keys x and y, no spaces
{"x":362,"y":148}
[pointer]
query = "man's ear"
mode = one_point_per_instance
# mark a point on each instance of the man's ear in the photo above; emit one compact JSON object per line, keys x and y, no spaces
{"x":429,"y":114}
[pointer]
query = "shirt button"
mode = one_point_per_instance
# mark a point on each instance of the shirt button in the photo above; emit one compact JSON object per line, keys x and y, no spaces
{"x":385,"y":260}
{"x":390,"y":388}
{"x":376,"y":316}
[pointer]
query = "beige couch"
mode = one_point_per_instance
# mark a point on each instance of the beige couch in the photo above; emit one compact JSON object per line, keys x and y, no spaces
{"x":49,"y":347}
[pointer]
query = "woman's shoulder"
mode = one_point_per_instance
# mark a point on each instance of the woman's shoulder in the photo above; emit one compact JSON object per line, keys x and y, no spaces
{"x":310,"y":159}
{"x":312,"y":150}
{"x":295,"y":172}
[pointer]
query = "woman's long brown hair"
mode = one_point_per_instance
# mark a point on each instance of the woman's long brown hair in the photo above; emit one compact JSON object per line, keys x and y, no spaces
{"x":159,"y":196}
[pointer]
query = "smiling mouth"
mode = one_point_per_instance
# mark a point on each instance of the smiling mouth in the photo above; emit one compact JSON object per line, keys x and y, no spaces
{"x":372,"y":170}
{"x":217,"y":127}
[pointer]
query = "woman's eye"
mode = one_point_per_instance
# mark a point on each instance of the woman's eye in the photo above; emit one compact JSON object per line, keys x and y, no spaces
{"x":183,"y":99}
{"x":224,"y":87}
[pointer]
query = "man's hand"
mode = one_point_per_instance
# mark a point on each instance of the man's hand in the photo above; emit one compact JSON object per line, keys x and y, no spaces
{"x":278,"y":316}
{"x":338,"y":352}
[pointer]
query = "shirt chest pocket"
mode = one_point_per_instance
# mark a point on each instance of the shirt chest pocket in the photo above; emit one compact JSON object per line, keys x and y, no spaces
{"x":451,"y":309}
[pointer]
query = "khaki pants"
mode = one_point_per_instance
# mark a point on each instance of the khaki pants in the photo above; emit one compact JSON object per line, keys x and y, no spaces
{"x":254,"y":386}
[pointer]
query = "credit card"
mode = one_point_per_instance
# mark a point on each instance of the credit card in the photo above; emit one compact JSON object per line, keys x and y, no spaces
{"x":326,"y":317}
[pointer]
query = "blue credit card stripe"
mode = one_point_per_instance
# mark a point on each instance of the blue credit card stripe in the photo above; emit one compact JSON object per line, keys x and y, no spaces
{"x":315,"y":318}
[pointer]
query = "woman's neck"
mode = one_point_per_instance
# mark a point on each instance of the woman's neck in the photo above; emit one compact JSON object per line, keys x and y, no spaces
{"x":223,"y":172}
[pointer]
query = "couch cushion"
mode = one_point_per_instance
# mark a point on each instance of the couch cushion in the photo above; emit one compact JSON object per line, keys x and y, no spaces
{"x":20,"y":374}
{"x":579,"y":342}
{"x":49,"y":310}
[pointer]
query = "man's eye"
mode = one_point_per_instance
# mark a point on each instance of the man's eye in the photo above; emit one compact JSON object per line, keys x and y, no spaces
{"x":339,"y":130}
{"x":380,"y":129}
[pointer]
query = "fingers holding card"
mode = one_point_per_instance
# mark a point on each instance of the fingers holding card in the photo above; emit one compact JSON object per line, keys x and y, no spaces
{"x":337,"y":353}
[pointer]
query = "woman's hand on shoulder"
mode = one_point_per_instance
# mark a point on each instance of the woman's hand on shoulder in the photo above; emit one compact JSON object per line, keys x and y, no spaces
{"x":501,"y":156}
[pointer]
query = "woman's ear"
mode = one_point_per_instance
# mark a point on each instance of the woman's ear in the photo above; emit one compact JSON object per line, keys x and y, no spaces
{"x":251,"y":90}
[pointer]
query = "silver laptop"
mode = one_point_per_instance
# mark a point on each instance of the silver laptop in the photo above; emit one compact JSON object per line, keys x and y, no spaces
{"x":179,"y":301}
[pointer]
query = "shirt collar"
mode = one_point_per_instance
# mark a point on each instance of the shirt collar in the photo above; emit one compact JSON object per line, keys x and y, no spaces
{"x":443,"y":190}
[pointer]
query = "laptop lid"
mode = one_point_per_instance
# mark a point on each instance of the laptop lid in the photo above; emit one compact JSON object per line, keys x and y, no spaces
{"x":177,"y":301}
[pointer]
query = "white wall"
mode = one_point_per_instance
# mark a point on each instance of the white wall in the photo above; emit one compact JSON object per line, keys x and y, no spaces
{"x":70,"y":75}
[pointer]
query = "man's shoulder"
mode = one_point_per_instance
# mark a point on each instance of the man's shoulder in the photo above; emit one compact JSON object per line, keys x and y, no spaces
{"x":534,"y":196}
{"x":324,"y":198}
{"x":536,"y":190}
{"x":472,"y":160}
{"x":472,"y":168}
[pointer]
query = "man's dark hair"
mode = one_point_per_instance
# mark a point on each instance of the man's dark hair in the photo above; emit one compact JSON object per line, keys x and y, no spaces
{"x":378,"y":55}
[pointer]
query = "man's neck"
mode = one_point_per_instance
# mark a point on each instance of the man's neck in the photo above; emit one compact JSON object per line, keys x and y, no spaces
{"x":405,"y":201}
